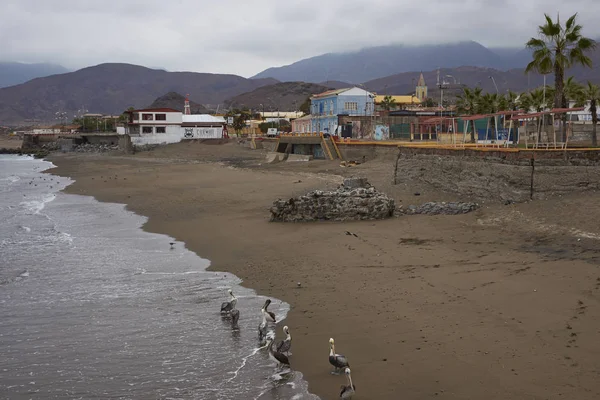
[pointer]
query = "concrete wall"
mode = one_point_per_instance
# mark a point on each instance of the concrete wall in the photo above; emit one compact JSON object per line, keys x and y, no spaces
{"x":366,"y":152}
{"x":499,"y":176}
{"x":156,"y":138}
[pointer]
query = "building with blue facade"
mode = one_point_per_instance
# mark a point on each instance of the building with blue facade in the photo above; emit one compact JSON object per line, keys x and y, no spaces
{"x":327,"y":106}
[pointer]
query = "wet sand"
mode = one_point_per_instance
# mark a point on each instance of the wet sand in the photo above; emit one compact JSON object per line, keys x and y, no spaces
{"x":502,"y":303}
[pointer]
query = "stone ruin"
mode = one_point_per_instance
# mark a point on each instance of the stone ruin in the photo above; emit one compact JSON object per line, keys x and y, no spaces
{"x":354,"y":200}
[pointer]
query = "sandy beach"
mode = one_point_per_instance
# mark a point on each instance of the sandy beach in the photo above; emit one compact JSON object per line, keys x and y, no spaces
{"x":502,"y":303}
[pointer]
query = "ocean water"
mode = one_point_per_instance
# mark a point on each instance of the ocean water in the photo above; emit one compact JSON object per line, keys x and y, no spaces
{"x":92,"y":307}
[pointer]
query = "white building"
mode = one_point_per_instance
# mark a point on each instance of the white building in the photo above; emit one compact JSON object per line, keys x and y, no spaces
{"x":166,"y":125}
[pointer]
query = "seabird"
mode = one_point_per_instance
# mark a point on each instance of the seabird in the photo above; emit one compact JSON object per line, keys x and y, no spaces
{"x":281,"y":359}
{"x":337,"y":360}
{"x":349,"y":389}
{"x":267,"y":316}
{"x":227,"y":306}
{"x":285,"y":345}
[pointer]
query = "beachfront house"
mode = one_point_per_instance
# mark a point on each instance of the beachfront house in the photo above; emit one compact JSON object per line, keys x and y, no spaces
{"x":154,"y":121}
{"x":327,"y":106}
{"x":302,"y":125}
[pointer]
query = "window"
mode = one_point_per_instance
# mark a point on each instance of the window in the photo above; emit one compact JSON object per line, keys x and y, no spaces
{"x":147,"y":117}
{"x":161,"y":129}
{"x":136,"y":116}
{"x":160,"y":117}
{"x":351,"y":106}
{"x":331,"y":107}
{"x":146,"y":129}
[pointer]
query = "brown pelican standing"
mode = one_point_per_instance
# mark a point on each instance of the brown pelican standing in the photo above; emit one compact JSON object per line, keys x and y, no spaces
{"x":227,"y":306}
{"x":349,"y":389}
{"x":267,"y":316}
{"x":281,"y":359}
{"x":337,"y":360}
{"x":285,"y":345}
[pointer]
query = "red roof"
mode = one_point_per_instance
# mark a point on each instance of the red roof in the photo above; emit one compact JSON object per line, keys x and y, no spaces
{"x":565,"y":110}
{"x":154,"y":110}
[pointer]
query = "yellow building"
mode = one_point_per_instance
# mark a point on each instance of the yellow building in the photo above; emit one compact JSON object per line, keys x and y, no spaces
{"x":400,"y":101}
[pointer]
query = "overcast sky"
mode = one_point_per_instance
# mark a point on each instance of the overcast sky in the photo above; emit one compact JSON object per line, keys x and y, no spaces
{"x":246,"y":36}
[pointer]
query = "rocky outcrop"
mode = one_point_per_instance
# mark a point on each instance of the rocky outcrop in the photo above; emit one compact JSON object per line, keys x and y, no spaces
{"x":354,"y":200}
{"x":439,"y":208}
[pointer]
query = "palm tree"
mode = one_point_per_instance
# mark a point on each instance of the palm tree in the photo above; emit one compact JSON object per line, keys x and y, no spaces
{"x":591,"y":93}
{"x":536,"y":101}
{"x":469,"y":103}
{"x":388,"y":103}
{"x":491,"y":103}
{"x":571,"y":89}
{"x":558,"y":48}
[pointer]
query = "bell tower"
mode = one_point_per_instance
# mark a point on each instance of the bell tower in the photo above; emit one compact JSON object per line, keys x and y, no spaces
{"x":421,"y":89}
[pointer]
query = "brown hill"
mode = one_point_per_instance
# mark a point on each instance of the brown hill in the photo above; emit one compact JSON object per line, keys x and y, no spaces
{"x":177,"y":101}
{"x":514,"y":79}
{"x":286,"y":96}
{"x":112,"y":88}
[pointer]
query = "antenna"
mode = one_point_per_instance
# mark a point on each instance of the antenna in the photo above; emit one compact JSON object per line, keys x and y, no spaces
{"x":186,"y":107}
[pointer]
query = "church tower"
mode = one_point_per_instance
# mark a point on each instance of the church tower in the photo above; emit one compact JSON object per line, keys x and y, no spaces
{"x":421,"y":89}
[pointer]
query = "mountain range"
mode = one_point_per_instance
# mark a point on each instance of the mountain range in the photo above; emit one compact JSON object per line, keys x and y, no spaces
{"x":111,"y":89}
{"x":377,"y":62}
{"x":176,"y":101}
{"x":14,"y":73}
{"x":279,"y":96}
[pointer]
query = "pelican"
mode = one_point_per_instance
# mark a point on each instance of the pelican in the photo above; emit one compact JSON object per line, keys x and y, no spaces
{"x":227,"y":306}
{"x":235,"y":316}
{"x":337,"y":360}
{"x":285,"y":345}
{"x":281,"y":359}
{"x":349,"y":389}
{"x":267,"y":316}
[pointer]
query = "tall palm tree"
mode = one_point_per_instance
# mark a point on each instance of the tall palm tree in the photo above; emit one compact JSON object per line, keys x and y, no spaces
{"x":469,"y":103}
{"x":558,"y":48}
{"x":591,"y":93}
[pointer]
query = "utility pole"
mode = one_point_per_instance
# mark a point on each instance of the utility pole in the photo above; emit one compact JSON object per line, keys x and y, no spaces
{"x":441,"y":84}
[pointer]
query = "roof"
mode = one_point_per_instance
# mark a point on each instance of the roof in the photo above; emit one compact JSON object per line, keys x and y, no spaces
{"x":398,"y":99}
{"x":553,"y":111}
{"x":329,"y":93}
{"x":202,"y":118}
{"x":154,"y":110}
{"x":305,"y":118}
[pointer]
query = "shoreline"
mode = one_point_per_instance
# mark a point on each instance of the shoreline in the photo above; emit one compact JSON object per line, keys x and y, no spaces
{"x":391,"y":297}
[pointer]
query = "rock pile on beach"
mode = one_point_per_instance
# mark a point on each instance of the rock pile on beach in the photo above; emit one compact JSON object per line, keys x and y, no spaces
{"x":51,"y":146}
{"x":440,"y":208}
{"x":95,"y":148}
{"x":354,"y":200}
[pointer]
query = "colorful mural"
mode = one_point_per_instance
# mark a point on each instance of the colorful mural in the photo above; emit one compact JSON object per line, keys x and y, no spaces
{"x":382,"y":132}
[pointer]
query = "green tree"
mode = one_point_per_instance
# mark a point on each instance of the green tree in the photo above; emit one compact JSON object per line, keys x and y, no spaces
{"x":305,"y":107}
{"x":469,"y":102}
{"x":556,"y":49}
{"x":388,"y":103}
{"x":429,"y":102}
{"x":591,"y":93}
{"x":239,"y":119}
